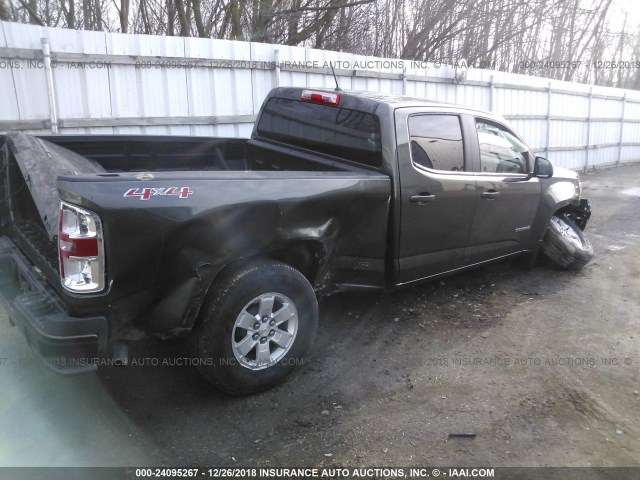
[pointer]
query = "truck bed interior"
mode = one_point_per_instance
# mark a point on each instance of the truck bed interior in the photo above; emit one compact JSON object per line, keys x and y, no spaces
{"x":23,"y":219}
{"x":122,"y":153}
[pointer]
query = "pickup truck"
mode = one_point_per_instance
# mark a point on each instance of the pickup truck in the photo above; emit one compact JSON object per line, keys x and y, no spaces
{"x":109,"y":239}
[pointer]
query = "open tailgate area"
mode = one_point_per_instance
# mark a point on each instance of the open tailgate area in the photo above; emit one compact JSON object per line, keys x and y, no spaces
{"x":41,"y":163}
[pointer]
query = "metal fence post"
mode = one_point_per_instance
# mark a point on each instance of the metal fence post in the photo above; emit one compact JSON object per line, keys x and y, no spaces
{"x":624,"y":102}
{"x":586,"y":162}
{"x":276,"y":54}
{"x":491,"y":94}
{"x":53,"y":114}
{"x":404,"y":80}
{"x":547,"y":146}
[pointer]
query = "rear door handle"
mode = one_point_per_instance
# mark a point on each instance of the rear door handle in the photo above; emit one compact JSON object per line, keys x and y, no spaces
{"x":423,"y":198}
{"x":490,"y":195}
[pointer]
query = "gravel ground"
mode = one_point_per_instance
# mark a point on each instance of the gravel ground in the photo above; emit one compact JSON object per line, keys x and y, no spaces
{"x":542,"y":365}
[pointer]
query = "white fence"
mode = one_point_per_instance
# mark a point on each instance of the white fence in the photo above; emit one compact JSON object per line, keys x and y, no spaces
{"x":118,"y":83}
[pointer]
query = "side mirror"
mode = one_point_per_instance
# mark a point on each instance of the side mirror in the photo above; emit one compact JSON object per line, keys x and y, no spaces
{"x":543,"y":168}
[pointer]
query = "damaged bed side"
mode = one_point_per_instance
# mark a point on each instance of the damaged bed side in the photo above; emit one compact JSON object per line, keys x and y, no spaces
{"x":162,"y":253}
{"x":28,"y":255}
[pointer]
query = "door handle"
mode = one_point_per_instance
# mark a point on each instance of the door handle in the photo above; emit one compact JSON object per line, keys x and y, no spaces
{"x":423,"y":198}
{"x":490,"y":195}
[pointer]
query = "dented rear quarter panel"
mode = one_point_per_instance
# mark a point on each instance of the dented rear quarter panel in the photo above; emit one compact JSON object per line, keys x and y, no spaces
{"x":163,"y":253}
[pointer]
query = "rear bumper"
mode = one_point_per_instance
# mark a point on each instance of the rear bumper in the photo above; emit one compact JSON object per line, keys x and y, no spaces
{"x":66,"y":344}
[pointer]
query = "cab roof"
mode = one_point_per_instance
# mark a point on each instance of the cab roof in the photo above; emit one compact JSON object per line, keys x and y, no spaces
{"x":369,"y":101}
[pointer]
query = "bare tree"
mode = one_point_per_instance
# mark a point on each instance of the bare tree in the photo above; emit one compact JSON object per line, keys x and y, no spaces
{"x":5,"y":13}
{"x":124,"y":16}
{"x":69,"y":12}
{"x":508,"y":34}
{"x":182,"y":18}
{"x":197,"y":18}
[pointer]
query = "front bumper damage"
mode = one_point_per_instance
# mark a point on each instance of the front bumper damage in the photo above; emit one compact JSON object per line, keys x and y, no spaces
{"x":582,"y":213}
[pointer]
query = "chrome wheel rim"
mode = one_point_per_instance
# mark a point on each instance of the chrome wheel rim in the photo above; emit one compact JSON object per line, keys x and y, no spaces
{"x":566,"y":231}
{"x":264,"y":331}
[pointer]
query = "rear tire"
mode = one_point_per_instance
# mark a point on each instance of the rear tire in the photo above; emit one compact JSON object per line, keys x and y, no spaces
{"x":565,"y":245}
{"x":258,"y":323}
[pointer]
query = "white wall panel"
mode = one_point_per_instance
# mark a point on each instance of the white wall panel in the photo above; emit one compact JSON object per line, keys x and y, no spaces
{"x":82,"y":88}
{"x":29,"y":80}
{"x":9,"y":107}
{"x":170,"y":94}
{"x":631,"y":132}
{"x":261,"y":80}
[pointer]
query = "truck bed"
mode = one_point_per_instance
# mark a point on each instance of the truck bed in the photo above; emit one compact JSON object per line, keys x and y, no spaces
{"x":122,"y":153}
{"x":244,"y":199}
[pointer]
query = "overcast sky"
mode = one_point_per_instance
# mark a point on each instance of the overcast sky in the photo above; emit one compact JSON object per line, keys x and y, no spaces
{"x":618,"y":9}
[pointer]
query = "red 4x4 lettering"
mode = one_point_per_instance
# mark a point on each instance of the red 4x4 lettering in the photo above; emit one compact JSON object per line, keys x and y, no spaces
{"x":148,"y":192}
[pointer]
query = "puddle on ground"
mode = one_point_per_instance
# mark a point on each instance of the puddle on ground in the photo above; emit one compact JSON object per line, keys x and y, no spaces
{"x":633,"y":191}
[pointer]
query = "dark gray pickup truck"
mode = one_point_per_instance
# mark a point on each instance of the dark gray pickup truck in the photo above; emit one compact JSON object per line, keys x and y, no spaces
{"x":108,"y":239}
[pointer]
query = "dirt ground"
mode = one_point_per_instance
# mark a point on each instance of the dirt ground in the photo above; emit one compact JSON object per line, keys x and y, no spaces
{"x":542,"y":365}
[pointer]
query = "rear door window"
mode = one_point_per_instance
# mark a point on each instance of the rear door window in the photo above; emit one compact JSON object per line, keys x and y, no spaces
{"x":436,"y":142}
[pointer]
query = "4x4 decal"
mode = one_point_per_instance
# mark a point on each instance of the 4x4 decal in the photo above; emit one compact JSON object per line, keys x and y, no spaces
{"x":148,"y":192}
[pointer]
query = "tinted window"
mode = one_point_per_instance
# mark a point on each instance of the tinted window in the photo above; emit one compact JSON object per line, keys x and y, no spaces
{"x":500,"y":151}
{"x":436,"y":142}
{"x":341,"y":132}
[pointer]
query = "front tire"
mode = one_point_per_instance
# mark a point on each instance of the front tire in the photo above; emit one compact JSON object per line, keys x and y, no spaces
{"x":258,"y":323}
{"x":565,"y":245}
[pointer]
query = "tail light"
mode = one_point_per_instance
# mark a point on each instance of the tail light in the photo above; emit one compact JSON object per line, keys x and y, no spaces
{"x":80,"y":250}
{"x":324,"y":98}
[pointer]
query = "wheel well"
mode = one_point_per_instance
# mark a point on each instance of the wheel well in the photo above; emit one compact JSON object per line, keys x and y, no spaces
{"x":566,"y":210}
{"x":577,"y":214}
{"x":304,"y":257}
